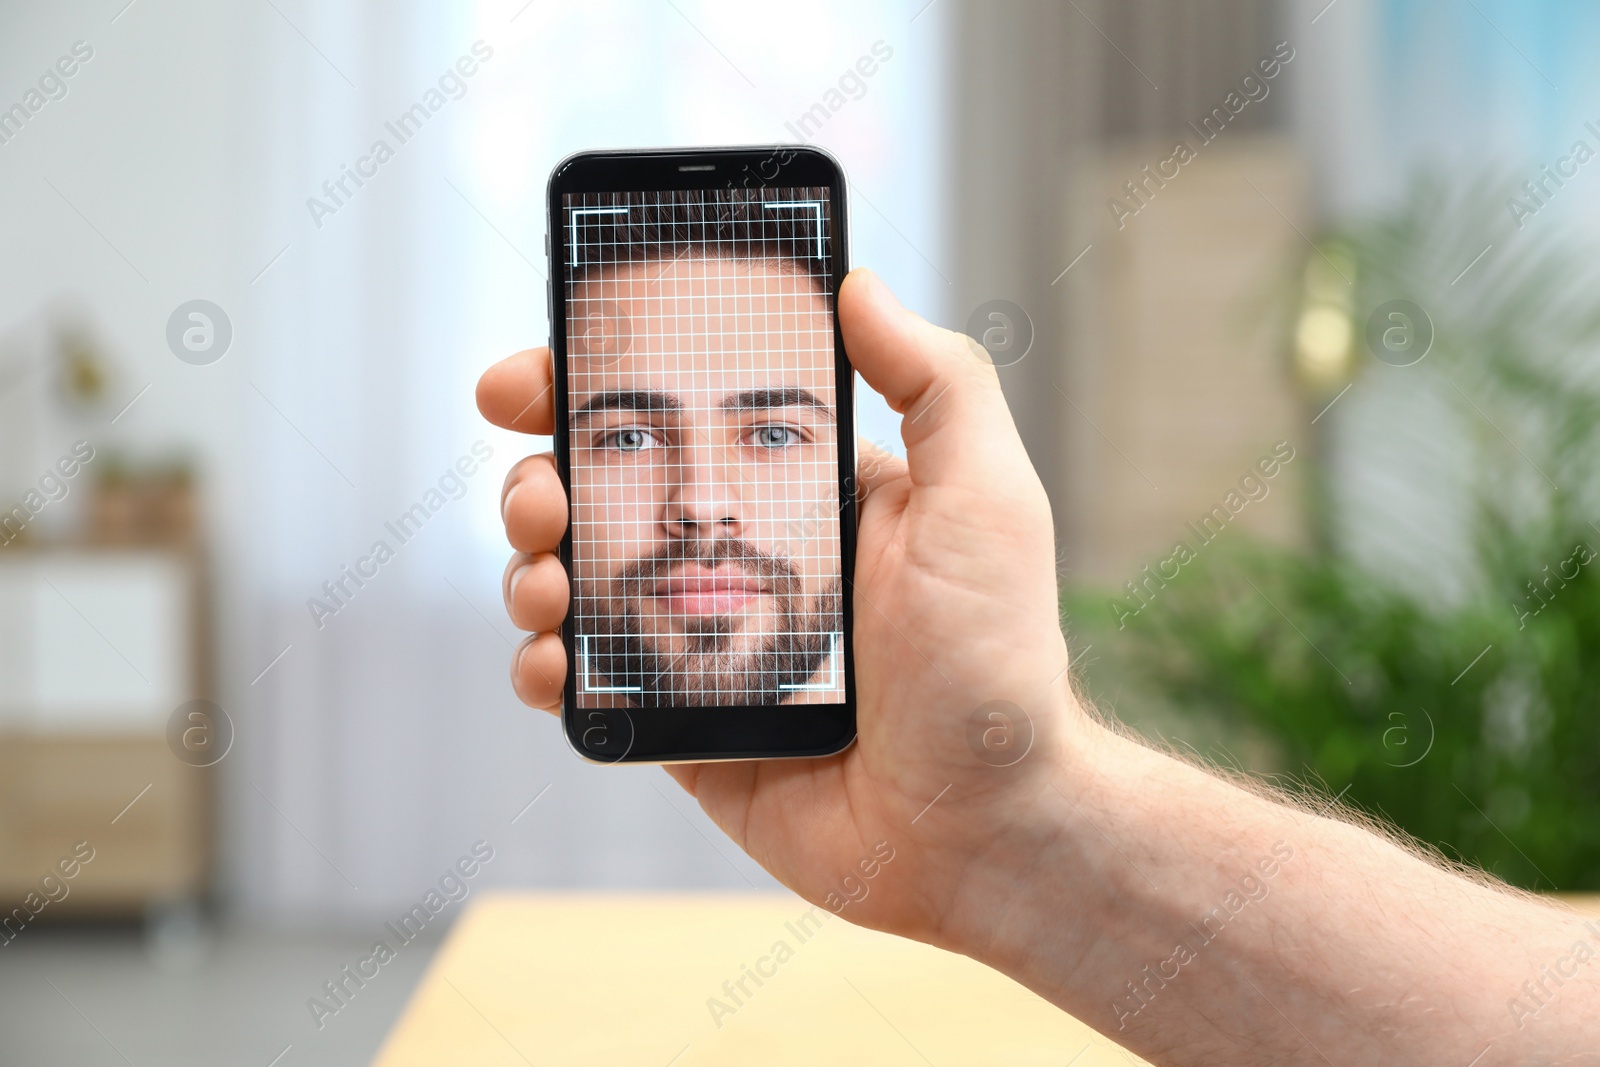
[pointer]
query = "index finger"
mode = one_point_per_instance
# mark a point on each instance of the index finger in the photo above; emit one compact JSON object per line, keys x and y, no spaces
{"x":517,"y":393}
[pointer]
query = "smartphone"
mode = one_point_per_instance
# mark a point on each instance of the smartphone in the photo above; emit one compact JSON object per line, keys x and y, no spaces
{"x":705,"y":434}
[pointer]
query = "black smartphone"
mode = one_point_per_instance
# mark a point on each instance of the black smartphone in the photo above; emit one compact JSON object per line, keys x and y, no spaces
{"x":705,"y":433}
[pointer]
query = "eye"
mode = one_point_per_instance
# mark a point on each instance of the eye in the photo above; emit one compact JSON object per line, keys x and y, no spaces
{"x":629,"y":439}
{"x":775,"y":437}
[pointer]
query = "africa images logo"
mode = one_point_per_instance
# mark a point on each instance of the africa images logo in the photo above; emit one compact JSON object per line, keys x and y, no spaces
{"x":340,"y":190}
{"x":1253,"y":88}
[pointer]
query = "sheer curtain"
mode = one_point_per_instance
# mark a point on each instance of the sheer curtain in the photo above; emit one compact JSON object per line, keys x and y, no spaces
{"x":365,"y":647}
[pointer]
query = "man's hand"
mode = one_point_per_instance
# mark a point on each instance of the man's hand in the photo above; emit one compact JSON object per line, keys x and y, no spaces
{"x":955,"y":607}
{"x":1192,"y":920}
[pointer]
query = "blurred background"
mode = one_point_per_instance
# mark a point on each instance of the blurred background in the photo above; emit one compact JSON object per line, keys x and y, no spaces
{"x":1292,"y":302}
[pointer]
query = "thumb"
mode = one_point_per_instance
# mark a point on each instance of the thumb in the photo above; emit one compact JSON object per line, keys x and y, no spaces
{"x":956,"y":427}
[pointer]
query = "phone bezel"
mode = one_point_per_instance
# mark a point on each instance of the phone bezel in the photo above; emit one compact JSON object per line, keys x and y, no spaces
{"x":679,"y":735}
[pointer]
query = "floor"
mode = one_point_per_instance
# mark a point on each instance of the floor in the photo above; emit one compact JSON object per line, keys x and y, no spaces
{"x":117,"y":996}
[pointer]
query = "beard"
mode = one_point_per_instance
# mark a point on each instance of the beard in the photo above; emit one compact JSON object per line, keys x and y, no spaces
{"x":720,"y":663}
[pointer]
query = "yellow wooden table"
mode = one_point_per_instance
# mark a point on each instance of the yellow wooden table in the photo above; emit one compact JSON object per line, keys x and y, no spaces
{"x":698,"y":981}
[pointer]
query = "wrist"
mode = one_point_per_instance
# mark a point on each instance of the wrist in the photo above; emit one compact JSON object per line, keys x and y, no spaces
{"x":1117,"y":848}
{"x":1041,"y":876}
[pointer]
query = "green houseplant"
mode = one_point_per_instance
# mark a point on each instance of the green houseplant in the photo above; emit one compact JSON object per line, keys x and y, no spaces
{"x":1469,"y":719}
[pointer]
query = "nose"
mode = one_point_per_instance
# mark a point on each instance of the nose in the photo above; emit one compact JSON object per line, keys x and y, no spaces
{"x":704,"y":493}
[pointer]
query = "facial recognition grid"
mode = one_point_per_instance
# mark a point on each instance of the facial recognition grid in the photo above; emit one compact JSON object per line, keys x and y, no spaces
{"x":703,"y":445}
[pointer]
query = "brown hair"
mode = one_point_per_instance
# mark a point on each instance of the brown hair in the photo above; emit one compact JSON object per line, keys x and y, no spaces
{"x":615,"y":229}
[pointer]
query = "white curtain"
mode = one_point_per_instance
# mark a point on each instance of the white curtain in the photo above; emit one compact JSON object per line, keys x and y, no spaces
{"x":386,"y":739}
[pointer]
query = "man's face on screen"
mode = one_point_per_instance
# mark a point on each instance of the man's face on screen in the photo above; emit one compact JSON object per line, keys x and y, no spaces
{"x":704,"y":483}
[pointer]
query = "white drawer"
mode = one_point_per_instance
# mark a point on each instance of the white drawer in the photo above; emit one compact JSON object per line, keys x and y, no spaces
{"x":96,"y":641}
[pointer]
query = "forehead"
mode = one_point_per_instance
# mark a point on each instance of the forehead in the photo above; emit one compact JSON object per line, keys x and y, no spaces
{"x":710,"y":325}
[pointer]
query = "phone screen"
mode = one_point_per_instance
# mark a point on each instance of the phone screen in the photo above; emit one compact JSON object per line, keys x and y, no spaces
{"x":705,"y":406}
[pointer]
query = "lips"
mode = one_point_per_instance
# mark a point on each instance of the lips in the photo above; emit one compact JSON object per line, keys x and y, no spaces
{"x":697,"y":590}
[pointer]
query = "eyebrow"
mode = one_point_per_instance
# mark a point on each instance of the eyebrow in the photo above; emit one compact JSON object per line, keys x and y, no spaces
{"x":629,"y":400}
{"x":655,"y":401}
{"x":789,"y":396}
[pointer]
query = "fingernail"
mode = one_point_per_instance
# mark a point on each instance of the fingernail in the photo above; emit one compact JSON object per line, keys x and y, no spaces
{"x":505,"y":505}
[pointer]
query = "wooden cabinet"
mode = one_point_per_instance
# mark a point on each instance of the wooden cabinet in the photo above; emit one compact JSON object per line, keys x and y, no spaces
{"x":98,"y":648}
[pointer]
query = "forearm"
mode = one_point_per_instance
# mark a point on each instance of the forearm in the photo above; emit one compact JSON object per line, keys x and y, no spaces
{"x":1197,"y":923}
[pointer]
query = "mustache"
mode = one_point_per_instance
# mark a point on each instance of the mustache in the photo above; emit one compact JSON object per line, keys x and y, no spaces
{"x":640,"y":576}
